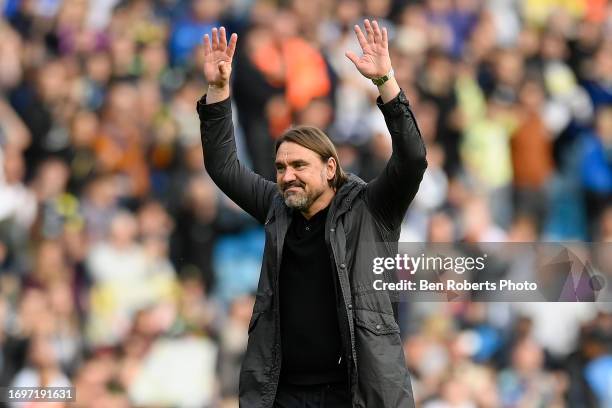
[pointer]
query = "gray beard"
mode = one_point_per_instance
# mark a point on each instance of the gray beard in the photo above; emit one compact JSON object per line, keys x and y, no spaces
{"x":301,"y":201}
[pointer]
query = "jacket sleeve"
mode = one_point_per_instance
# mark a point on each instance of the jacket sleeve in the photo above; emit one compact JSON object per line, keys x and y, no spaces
{"x":249,"y":190}
{"x":390,"y":194}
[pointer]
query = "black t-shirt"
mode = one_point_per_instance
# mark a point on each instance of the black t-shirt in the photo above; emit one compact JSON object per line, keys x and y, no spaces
{"x":310,"y":333}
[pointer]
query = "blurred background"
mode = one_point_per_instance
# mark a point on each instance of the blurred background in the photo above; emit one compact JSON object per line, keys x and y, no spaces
{"x":125,"y":272}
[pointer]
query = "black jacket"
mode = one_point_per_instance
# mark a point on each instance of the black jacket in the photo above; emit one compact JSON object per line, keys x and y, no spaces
{"x":363,"y":222}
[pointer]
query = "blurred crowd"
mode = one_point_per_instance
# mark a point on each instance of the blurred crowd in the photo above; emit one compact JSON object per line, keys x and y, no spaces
{"x":125,"y":272}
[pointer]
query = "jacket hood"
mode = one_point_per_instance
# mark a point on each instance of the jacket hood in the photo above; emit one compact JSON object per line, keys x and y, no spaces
{"x":351,"y":186}
{"x":347,"y":193}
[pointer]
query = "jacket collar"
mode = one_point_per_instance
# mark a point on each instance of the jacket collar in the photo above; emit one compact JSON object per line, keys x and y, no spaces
{"x":346,"y":194}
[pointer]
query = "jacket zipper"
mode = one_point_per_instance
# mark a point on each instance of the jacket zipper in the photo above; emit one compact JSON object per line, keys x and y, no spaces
{"x":276,"y":366}
{"x":343,"y":292}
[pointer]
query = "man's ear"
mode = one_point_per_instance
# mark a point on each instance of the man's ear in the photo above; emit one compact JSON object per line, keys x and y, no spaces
{"x":330,"y":168}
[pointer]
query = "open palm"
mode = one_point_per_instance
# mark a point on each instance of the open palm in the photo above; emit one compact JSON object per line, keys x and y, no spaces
{"x":218,"y":55}
{"x":375,"y":61}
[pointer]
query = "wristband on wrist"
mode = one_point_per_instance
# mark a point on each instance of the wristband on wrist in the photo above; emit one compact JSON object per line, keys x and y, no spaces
{"x":381,"y":80}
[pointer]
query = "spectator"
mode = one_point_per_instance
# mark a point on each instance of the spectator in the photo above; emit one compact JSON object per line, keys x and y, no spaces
{"x":532,"y":154}
{"x":526,"y":383}
{"x":596,"y":164}
{"x":191,"y":27}
{"x":126,"y":278}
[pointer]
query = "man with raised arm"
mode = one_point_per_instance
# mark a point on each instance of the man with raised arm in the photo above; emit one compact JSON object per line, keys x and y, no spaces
{"x":320,"y":336}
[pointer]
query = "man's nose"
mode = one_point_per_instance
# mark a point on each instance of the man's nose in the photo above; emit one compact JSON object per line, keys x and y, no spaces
{"x":288,"y":175}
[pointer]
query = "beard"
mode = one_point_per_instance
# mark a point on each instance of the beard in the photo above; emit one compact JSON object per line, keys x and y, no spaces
{"x":301,"y":199}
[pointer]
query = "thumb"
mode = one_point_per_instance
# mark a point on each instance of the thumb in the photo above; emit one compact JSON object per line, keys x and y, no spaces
{"x":351,"y":55}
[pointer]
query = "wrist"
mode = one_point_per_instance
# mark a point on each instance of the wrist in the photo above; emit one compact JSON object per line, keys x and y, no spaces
{"x":379,"y":81}
{"x":217,"y":86}
{"x":216,"y":93}
{"x":389,"y":90}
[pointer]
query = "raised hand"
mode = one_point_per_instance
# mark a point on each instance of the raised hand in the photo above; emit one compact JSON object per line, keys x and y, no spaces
{"x":218,"y":57}
{"x":375,"y":61}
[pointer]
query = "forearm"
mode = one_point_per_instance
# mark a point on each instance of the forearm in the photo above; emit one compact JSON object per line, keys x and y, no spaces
{"x":389,"y":90}
{"x":408,"y":145}
{"x":217,"y":94}
{"x":392,"y":191}
{"x":247,"y":189}
{"x":470,"y":99}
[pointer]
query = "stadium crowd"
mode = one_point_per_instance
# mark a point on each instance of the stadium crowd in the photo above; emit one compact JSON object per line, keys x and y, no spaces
{"x":126,"y":273}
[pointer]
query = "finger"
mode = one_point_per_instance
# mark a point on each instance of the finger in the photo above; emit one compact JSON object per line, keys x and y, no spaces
{"x":222,"y":39}
{"x":377,"y":34}
{"x":369,"y":31}
{"x":351,"y":55}
{"x":231,"y":48}
{"x":215,"y":39}
{"x":207,"y":47}
{"x":361,"y":38}
{"x":385,"y":37}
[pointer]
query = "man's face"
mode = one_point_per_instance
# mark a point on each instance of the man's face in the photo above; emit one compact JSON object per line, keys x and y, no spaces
{"x":302,"y":177}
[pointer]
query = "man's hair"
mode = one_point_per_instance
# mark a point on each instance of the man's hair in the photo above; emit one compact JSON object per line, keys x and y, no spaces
{"x":315,"y":139}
